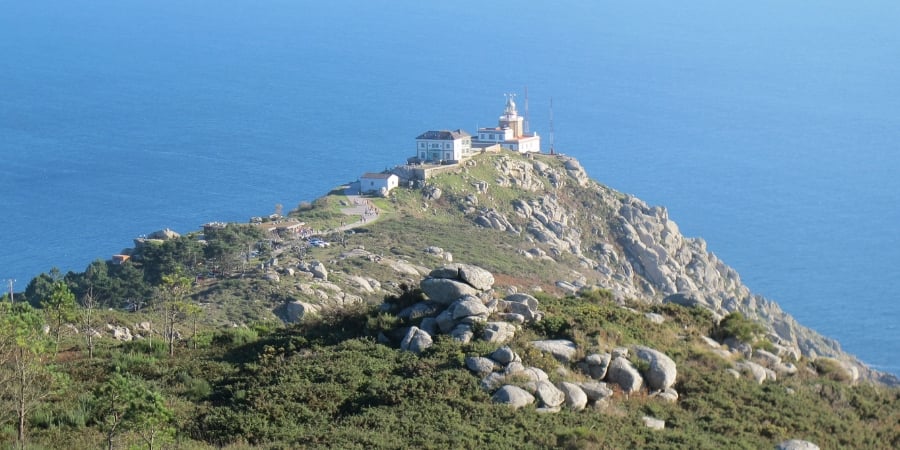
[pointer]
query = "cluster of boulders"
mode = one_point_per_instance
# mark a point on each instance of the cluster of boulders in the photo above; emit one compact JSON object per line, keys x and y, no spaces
{"x":517,"y":385}
{"x":116,"y":332}
{"x":459,"y":302}
{"x":760,"y":365}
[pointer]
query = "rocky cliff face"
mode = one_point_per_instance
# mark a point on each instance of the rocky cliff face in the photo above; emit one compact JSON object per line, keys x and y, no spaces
{"x":631,"y":248}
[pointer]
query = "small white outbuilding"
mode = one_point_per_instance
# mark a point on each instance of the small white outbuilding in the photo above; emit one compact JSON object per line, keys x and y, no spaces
{"x":378,"y":183}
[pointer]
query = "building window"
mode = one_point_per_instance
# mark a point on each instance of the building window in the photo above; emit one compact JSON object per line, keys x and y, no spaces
{"x":423,"y":155}
{"x":447,"y":145}
{"x":421,"y":145}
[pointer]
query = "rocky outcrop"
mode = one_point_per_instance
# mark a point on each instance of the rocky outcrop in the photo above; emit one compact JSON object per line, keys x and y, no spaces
{"x":119,"y":333}
{"x":294,"y":311}
{"x":548,"y":394}
{"x":459,"y":302}
{"x":595,"y":390}
{"x":596,"y":365}
{"x":561,"y":349}
{"x":629,"y":247}
{"x":445,"y":291}
{"x":416,"y":340}
{"x":796,"y":444}
{"x":623,"y":373}
{"x":661,"y":372}
{"x":513,"y":396}
{"x":654,"y":423}
{"x":576,"y":398}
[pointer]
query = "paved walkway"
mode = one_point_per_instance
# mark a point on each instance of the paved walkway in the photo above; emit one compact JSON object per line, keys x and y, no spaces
{"x":360,"y":206}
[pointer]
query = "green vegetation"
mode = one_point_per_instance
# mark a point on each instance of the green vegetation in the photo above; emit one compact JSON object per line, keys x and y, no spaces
{"x":327,"y":383}
{"x":213,"y":368}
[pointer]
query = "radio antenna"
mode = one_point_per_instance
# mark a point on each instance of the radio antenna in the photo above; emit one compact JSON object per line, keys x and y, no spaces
{"x":552,"y":151}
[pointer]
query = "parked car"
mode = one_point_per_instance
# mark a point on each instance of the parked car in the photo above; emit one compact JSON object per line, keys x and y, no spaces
{"x":319,"y":243}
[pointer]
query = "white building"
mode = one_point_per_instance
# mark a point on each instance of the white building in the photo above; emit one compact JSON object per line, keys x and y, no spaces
{"x":509,"y":132}
{"x":441,"y":146}
{"x":379,"y":183}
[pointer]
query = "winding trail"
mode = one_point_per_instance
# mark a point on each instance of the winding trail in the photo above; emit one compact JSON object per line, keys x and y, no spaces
{"x":361,"y":206}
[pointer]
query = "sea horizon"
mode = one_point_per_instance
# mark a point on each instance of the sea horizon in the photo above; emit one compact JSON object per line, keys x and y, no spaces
{"x":768,"y":130}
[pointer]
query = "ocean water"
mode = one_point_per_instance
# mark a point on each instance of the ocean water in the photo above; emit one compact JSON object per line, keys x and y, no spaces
{"x":770,"y":129}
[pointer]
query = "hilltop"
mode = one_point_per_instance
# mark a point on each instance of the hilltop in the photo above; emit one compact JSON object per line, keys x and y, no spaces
{"x":419,"y":318}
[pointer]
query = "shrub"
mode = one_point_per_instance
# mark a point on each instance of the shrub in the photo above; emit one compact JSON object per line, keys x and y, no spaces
{"x":234,"y":337}
{"x":553,"y":327}
{"x":739,"y":327}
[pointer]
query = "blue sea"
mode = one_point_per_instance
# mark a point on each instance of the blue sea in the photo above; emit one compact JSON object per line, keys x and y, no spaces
{"x":769,"y":128}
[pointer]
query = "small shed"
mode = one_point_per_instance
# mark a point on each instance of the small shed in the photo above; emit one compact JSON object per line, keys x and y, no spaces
{"x":378,"y":183}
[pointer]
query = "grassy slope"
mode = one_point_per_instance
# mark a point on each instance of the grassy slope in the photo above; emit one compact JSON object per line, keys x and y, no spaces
{"x":327,"y":383}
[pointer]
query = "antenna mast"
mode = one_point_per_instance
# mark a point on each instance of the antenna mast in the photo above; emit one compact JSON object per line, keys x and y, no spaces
{"x":10,"y":282}
{"x":551,"y":126}
{"x":526,"y":109}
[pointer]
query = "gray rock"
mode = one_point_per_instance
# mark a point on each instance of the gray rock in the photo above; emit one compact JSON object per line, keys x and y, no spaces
{"x":662,"y":371}
{"x":576,"y":398}
{"x":739,"y":346}
{"x":596,"y":365}
{"x":711,"y":342}
{"x":513,"y":396}
{"x":467,"y":307}
{"x":688,"y":299}
{"x":620,"y":352}
{"x":526,"y":299}
{"x":534,"y":374}
{"x":295,"y":311}
{"x":119,"y":333}
{"x":511,"y":317}
{"x":625,"y":375}
{"x":655,"y":318}
{"x":513,"y":368}
{"x":445,"y":291}
{"x":445,"y":321}
{"x":522,"y":309}
{"x":786,"y":369}
{"x":755,"y":370}
{"x":653,"y":423}
{"x":505,"y":355}
{"x":499,"y":332}
{"x":670,"y":395}
{"x":480,"y":365}
{"x":462,"y":333}
{"x":796,"y":444}
{"x":492,"y":381}
{"x":318,"y":270}
{"x":566,"y":286}
{"x":595,"y":390}
{"x":561,"y":349}
{"x":429,"y":325}
{"x":549,"y":395}
{"x":733,"y":373}
{"x":420,"y":310}
{"x":416,"y":340}
{"x":476,"y":276}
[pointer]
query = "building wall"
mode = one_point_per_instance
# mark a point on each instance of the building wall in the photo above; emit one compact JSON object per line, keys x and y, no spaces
{"x":443,"y":149}
{"x":494,"y":135}
{"x":376,"y":184}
